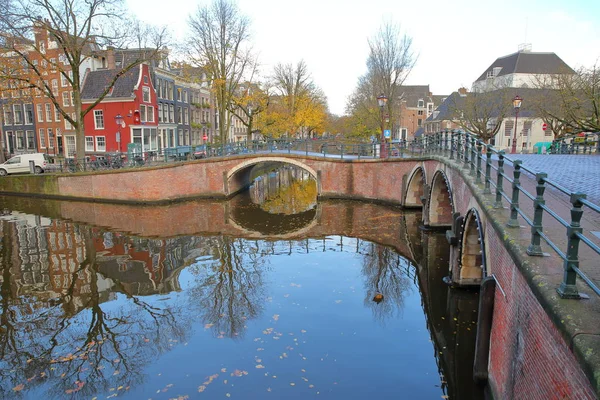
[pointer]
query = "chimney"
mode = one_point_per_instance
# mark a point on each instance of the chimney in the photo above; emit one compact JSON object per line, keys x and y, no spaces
{"x":110,"y":57}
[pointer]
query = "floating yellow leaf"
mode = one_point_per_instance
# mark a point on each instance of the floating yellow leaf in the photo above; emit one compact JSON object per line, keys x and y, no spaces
{"x":201,"y":388}
{"x":259,"y":366}
{"x":223,"y":369}
{"x":276,"y":317}
{"x":18,"y":388}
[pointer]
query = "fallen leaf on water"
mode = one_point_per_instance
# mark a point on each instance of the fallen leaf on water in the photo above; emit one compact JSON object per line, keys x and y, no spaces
{"x":223,"y":369}
{"x":259,"y":366}
{"x":207,"y":326}
{"x":201,"y":388}
{"x":276,"y":317}
{"x":338,"y":301}
{"x":228,"y":394}
{"x":303,"y":331}
{"x":18,"y":388}
{"x":292,"y":384}
{"x":286,"y":295}
{"x":311,"y":386}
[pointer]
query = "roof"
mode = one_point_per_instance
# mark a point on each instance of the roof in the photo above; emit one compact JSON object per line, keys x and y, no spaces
{"x":444,"y":110}
{"x":412,"y":94}
{"x":525,"y":62}
{"x":97,"y":81}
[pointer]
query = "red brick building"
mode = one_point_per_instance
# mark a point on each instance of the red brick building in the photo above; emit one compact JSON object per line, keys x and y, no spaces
{"x":132,"y":98}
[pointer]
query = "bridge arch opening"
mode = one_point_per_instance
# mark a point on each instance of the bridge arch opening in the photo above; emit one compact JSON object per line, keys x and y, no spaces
{"x":472,"y":264}
{"x":238,"y":178}
{"x":440,"y":208}
{"x":415,"y":189}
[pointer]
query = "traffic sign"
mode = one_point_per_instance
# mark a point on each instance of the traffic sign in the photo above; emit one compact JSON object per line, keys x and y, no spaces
{"x":544,"y":127}
{"x":205,"y":137}
{"x":387,"y":133}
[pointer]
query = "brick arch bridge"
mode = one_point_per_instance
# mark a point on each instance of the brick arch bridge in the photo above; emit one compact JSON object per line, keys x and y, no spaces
{"x":525,"y":332}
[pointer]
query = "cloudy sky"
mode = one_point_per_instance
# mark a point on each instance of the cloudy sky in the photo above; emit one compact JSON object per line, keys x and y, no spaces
{"x":455,"y":41}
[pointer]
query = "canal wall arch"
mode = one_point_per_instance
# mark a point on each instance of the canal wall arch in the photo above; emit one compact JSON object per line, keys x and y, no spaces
{"x":531,"y":327}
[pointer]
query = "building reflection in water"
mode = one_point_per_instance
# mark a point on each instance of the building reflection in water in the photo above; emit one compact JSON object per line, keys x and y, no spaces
{"x":59,"y":280}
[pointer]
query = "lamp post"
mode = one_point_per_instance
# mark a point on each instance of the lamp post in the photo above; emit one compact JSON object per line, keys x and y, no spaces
{"x":119,"y":121}
{"x":517,"y":105}
{"x":382,"y":101}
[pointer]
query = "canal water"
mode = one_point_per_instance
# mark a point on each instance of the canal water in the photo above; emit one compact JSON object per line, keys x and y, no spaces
{"x":246,"y":299}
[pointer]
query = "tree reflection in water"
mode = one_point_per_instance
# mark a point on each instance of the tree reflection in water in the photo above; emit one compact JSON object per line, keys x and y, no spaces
{"x":70,"y":341}
{"x":387,"y":280}
{"x":230,"y":291}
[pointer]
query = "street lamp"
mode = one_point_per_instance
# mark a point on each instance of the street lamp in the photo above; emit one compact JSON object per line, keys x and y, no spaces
{"x":382,"y":101}
{"x":119,"y":121}
{"x":517,"y":105}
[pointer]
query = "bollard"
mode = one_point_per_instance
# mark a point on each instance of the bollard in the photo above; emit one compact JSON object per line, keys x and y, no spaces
{"x":534,"y":248}
{"x":513,"y":222}
{"x":466,"y":151}
{"x":568,"y":287}
{"x":498,"y":202}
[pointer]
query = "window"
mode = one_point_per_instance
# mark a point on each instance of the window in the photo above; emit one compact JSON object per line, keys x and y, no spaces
{"x":63,"y":81}
{"x":40,"y":114}
{"x":185,"y":96}
{"x":65,"y":98}
{"x":7,"y":115}
{"x":63,"y":59}
{"x":42,"y":138}
{"x":89,"y":143}
{"x":70,"y":146}
{"x":178,"y":94}
{"x":72,"y":102}
{"x":30,"y":140}
{"x":421,"y":103}
{"x":165,"y":113}
{"x":158,"y":88}
{"x":170,"y":91}
{"x":98,"y":118}
{"x":508,"y":127}
{"x":420,"y":122}
{"x":51,"y":137}
{"x":146,"y":94}
{"x":18,"y":114}
{"x":42,"y":47}
{"x":56,"y":114}
{"x":100,"y":143}
{"x":179,"y":115}
{"x":20,"y":140}
{"x":171,"y":113}
{"x":48,"y":112}
{"x":526,"y":128}
{"x":150,"y":114}
{"x":55,"y":87}
{"x":420,"y":112}
{"x":28,"y":114}
{"x":185,"y":116}
{"x":160,"y":112}
{"x":145,"y":79}
{"x":143,"y":113}
{"x":53,"y":64}
{"x":68,"y":125}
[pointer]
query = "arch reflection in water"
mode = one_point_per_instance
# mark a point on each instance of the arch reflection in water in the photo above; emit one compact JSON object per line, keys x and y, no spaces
{"x":137,"y":300}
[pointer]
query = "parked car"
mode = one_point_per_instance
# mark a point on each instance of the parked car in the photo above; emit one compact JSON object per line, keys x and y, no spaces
{"x":20,"y":164}
{"x":200,"y":152}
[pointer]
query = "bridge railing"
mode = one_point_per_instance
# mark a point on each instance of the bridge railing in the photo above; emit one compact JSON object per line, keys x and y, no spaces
{"x":488,"y":166}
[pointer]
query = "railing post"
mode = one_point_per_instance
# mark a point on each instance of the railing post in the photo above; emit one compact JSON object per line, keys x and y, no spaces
{"x":488,"y":169}
{"x":342,"y":150}
{"x":513,"y":222}
{"x":452,"y":139}
{"x":498,"y":202}
{"x":446,"y":143}
{"x":478,"y":170}
{"x":568,"y":287}
{"x":458,"y":146}
{"x":466,"y":151}
{"x":534,"y":248}
{"x":473,"y":155}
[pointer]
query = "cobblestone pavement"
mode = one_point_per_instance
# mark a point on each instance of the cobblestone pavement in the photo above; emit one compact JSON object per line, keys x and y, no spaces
{"x":579,"y":173}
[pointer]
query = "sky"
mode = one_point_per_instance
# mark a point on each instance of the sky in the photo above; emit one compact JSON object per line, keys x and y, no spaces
{"x":454,"y":41}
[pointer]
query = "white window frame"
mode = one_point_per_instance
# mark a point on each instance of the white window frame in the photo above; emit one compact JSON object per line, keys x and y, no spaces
{"x":150,"y":113}
{"x":65,"y":99}
{"x":146,"y":97}
{"x":100,"y":143}
{"x":98,"y":114}
{"x":89,"y":143}
{"x":42,"y":134}
{"x":48,"y":112}
{"x":29,"y":118}
{"x":17,"y":110}
{"x":143,"y":116}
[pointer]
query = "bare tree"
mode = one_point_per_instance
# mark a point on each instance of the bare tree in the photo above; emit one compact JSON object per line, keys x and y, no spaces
{"x":250,"y":100}
{"x":570,"y":102}
{"x":390,"y":61}
{"x":481,"y":113}
{"x":219,"y":35}
{"x":76,"y":32}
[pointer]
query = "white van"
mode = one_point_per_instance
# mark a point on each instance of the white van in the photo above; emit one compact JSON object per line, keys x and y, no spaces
{"x":20,"y":164}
